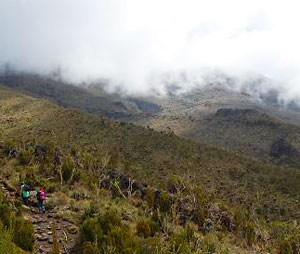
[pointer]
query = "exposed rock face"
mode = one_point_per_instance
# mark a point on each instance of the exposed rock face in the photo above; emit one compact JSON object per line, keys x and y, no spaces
{"x":235,"y":114}
{"x":187,"y":209}
{"x":125,"y":182}
{"x":14,"y":153}
{"x":246,"y":117}
{"x":40,"y":151}
{"x":145,"y":106}
{"x":227,"y":221}
{"x":280,"y":148}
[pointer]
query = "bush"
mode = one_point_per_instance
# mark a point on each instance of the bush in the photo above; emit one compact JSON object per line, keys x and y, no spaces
{"x":106,"y":232}
{"x":179,"y":242}
{"x":200,"y":195}
{"x":175,"y":183}
{"x":241,"y":216}
{"x":67,"y":169}
{"x":57,"y":199}
{"x":31,"y":176}
{"x":208,"y":244}
{"x":285,"y":247}
{"x":165,"y":202}
{"x":89,"y":248}
{"x":287,"y":236}
{"x":14,"y":229}
{"x":199,"y":216}
{"x":249,"y":232}
{"x":25,"y":157}
{"x":23,"y":234}
{"x":150,"y":197}
{"x":6,"y":244}
{"x":143,"y":228}
{"x":6,"y":213}
{"x":154,"y":226}
{"x":91,"y":230}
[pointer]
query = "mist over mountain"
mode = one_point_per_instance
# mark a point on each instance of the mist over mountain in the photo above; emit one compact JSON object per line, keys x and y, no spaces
{"x":153,"y":126}
{"x":134,"y":43}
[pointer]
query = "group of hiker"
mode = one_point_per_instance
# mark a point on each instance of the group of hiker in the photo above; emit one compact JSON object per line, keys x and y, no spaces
{"x":40,"y":195}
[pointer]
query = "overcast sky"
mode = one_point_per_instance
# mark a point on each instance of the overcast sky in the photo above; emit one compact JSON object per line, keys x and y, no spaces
{"x":130,"y":41}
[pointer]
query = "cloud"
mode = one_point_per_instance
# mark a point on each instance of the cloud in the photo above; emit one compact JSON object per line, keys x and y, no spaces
{"x":132,"y":41}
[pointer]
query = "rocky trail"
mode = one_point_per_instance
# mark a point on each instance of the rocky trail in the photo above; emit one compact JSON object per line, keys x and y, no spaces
{"x":43,"y":225}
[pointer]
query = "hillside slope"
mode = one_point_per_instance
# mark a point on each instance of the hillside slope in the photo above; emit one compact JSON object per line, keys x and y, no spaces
{"x":245,"y":201}
{"x":213,"y":114}
{"x":147,"y":154}
{"x":235,"y":121}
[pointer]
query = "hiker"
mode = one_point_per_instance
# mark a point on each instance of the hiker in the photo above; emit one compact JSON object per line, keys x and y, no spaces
{"x":25,"y":193}
{"x":41,"y":197}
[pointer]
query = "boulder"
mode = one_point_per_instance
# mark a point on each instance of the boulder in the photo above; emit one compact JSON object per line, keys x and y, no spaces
{"x":13,"y":153}
{"x":40,"y":150}
{"x":280,"y":147}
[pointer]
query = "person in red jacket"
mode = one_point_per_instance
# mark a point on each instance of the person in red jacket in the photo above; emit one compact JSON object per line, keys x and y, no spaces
{"x":41,"y":197}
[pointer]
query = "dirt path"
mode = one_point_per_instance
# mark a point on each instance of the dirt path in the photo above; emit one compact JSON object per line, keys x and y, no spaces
{"x":66,"y":230}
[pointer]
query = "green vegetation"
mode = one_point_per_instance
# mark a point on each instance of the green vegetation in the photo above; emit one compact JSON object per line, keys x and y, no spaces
{"x":16,"y":234}
{"x":194,"y":198}
{"x":248,"y":132}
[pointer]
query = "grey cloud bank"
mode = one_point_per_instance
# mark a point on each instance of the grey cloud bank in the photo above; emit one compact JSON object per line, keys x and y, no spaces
{"x":132,"y":42}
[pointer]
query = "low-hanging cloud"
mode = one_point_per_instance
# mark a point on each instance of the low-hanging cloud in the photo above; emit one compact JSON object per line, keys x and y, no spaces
{"x":132,"y":42}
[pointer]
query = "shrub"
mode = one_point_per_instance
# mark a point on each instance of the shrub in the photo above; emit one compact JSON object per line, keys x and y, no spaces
{"x":91,"y":230}
{"x":285,"y":247}
{"x":241,"y":216}
{"x":201,"y":197}
{"x":89,"y":248}
{"x":143,"y":228}
{"x":208,"y":244}
{"x":19,"y":230}
{"x":6,"y":244}
{"x":31,"y":176}
{"x":115,"y":190}
{"x":150,"y":197}
{"x":23,"y":234}
{"x":179,"y":242}
{"x":5,"y":213}
{"x":249,"y":232}
{"x":154,"y":226}
{"x":92,"y":211}
{"x":57,"y":199}
{"x":174,"y":184}
{"x":287,"y":236}
{"x":165,"y":202}
{"x":199,"y":216}
{"x":25,"y":157}
{"x":67,"y":169}
{"x":106,"y":232}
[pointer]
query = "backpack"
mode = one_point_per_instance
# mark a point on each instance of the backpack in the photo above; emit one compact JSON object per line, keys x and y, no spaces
{"x":41,"y":195}
{"x":25,"y":194}
{"x":25,"y":187}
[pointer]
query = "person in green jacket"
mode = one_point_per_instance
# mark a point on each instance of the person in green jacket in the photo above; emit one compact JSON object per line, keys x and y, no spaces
{"x":25,"y":193}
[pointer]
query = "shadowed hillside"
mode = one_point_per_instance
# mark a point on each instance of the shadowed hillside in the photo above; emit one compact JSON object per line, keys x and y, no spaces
{"x":67,"y":95}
